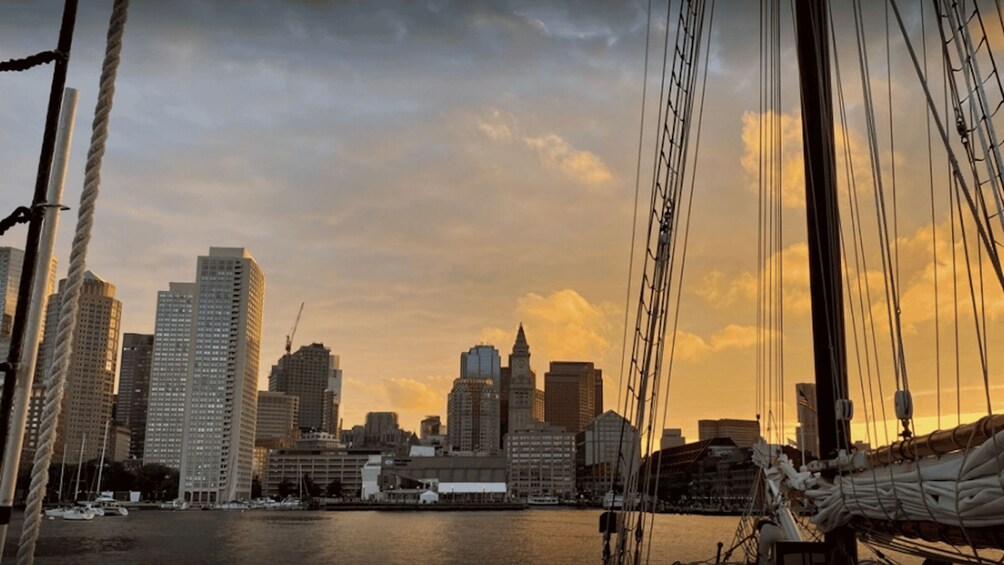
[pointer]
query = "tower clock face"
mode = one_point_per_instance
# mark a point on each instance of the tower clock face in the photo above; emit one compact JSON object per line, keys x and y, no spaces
{"x":521,"y":363}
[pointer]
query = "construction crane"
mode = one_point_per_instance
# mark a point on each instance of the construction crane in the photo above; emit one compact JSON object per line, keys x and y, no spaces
{"x":292,"y":332}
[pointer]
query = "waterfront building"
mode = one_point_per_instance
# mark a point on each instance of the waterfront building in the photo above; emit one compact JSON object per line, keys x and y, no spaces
{"x":322,"y":464}
{"x":609,"y":439}
{"x":90,"y":381}
{"x":172,"y":334}
{"x":540,"y":461}
{"x":455,"y":478}
{"x":134,"y":388}
{"x":672,"y":437}
{"x":570,"y":394}
{"x":221,"y":400}
{"x":807,"y":432}
{"x":311,"y":374}
{"x":472,"y":415}
{"x":743,"y":432}
{"x":522,"y":385}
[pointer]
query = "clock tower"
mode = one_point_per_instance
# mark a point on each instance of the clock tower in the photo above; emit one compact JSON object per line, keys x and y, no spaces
{"x":522,"y":384}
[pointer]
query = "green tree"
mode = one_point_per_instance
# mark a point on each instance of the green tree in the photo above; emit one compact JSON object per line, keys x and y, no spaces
{"x":156,"y":482}
{"x":255,"y":487}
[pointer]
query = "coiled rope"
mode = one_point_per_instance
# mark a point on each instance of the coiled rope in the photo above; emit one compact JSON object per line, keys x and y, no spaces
{"x":55,"y":376}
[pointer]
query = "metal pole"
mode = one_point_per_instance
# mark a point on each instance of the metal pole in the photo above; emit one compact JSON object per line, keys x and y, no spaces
{"x":823,"y":223}
{"x":11,"y":367}
{"x":33,"y":329}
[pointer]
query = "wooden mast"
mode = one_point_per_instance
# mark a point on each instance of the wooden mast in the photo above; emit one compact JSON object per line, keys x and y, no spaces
{"x":822,"y":212}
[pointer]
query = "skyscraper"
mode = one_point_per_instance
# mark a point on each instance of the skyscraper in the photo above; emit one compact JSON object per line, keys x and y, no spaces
{"x":522,"y":384}
{"x":172,"y":336}
{"x":221,"y":400}
{"x":134,"y":388}
{"x":11,"y":266}
{"x":569,"y":394}
{"x":472,"y":415}
{"x":807,"y":432}
{"x":307,"y":374}
{"x":11,"y":261}
{"x":482,"y":362}
{"x":90,"y":381}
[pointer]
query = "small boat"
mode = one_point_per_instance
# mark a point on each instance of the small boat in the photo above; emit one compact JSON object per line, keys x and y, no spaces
{"x":79,"y":513}
{"x":110,"y":506}
{"x":234,"y":505}
{"x":57,"y":512}
{"x":542,"y":501}
{"x":176,"y":504}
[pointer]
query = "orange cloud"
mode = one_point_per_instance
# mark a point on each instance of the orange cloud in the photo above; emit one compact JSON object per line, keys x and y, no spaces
{"x":566,"y":326}
{"x":578,"y":164}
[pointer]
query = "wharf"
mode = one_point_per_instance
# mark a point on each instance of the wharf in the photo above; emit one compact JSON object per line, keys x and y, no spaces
{"x":413,"y":507}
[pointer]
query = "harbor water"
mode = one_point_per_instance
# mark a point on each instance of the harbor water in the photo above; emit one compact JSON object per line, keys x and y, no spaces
{"x":553,"y":536}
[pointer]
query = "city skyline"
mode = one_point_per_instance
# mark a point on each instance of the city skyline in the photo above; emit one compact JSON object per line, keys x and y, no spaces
{"x":350,"y":191}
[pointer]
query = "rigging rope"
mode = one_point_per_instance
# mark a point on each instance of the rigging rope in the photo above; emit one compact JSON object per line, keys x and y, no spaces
{"x":23,"y":64}
{"x":55,"y":378}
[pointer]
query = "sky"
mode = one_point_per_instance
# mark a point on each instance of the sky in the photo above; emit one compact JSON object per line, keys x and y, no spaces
{"x":425,"y":176}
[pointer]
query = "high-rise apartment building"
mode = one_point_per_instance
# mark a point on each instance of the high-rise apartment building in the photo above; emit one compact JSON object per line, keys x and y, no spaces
{"x":169,"y":366}
{"x":134,"y":388}
{"x":312,"y":375}
{"x":472,"y":415}
{"x":90,"y":382}
{"x":743,"y":432}
{"x":221,"y":401}
{"x":522,"y":384}
{"x":807,"y":432}
{"x":570,"y":394}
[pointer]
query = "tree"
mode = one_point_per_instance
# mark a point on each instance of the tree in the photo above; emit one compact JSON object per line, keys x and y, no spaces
{"x":334,"y":489}
{"x":286,"y":487}
{"x":255,"y":487}
{"x":310,"y":488}
{"x":157,"y":481}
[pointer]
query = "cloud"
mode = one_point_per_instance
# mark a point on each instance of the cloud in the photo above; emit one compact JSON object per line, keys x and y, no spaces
{"x":692,"y":347}
{"x":578,"y":164}
{"x":565,"y":326}
{"x":792,"y":176}
{"x":497,"y":125}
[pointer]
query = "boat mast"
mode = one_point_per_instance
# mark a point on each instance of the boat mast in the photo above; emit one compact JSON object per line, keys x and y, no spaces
{"x":823,"y":219}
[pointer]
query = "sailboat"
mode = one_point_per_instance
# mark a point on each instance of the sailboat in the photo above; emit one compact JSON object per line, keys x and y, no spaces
{"x":937,"y":496}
